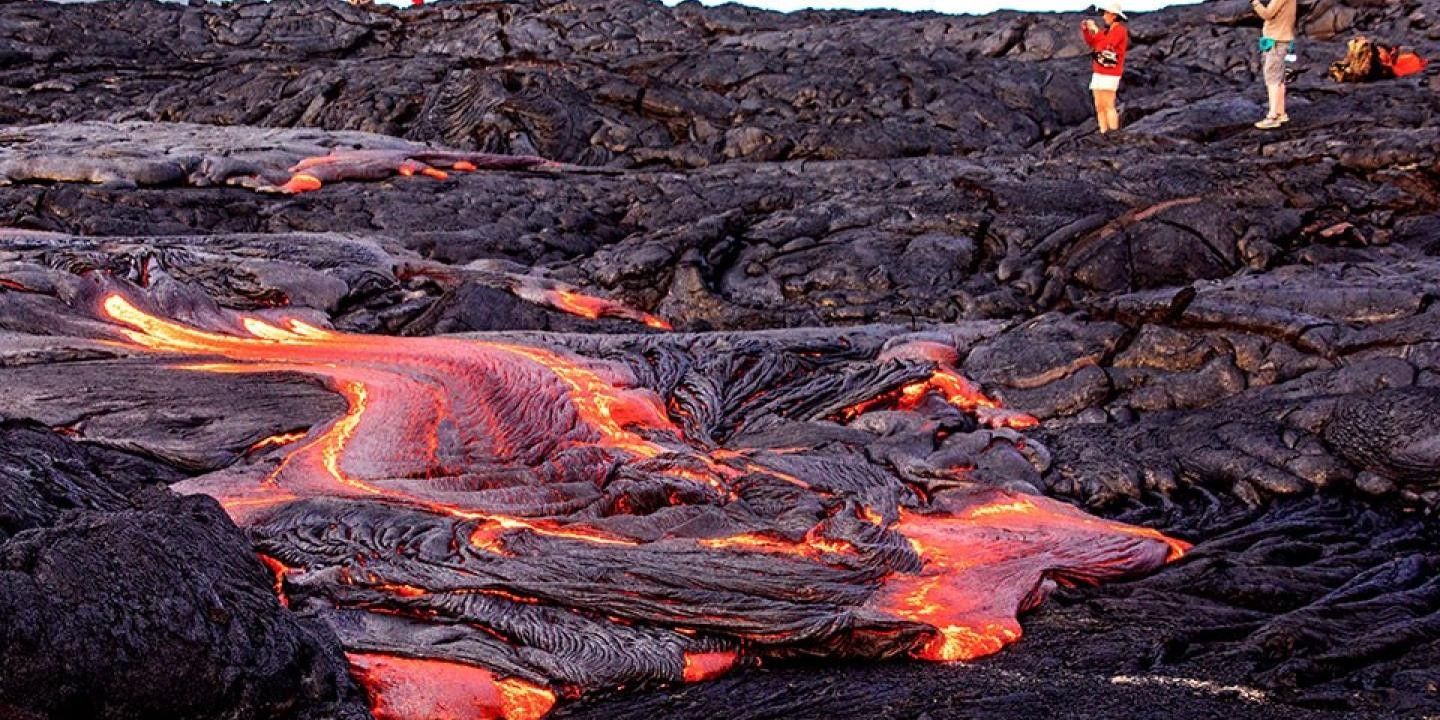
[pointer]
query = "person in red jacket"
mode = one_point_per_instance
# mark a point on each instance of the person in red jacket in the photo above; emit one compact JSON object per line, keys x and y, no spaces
{"x":1108,"y":48}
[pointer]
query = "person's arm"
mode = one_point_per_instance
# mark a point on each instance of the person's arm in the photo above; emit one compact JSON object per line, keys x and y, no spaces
{"x":1091,"y":38}
{"x":1268,"y":12}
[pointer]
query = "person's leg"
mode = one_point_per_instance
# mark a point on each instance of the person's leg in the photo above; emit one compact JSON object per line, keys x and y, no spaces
{"x":1272,"y":67}
{"x":1109,"y":119}
{"x":1100,"y":110}
{"x":1112,"y":112}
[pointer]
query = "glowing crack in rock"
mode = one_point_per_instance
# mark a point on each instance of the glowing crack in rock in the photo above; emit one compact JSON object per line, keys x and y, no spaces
{"x":491,"y":526}
{"x":277,"y":441}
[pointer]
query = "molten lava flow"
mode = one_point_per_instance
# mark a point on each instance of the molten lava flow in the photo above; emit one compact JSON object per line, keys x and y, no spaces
{"x":402,"y":688}
{"x":574,"y":303}
{"x":410,"y":167}
{"x":340,"y":434}
{"x":604,"y":411}
{"x":702,"y":666}
{"x":400,"y":590}
{"x":966,"y":395}
{"x":301,"y":182}
{"x":592,"y":308}
{"x":470,"y":484}
{"x":278,"y":569}
{"x":607,"y":411}
{"x":814,"y":546}
{"x":488,"y":537}
{"x":990,"y":561}
{"x":374,"y":164}
{"x":956,"y":390}
{"x":383,"y":416}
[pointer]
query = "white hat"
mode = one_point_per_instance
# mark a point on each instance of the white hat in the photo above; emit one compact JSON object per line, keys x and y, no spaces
{"x":1113,"y":6}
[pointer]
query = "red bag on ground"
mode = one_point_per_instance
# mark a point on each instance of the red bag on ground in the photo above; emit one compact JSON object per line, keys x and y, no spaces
{"x":1407,"y":63}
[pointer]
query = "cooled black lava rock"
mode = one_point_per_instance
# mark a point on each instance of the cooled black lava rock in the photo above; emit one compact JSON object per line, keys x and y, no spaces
{"x":119,"y":600}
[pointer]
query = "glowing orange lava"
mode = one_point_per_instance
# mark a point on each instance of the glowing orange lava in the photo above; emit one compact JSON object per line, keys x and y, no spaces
{"x":957,"y":390}
{"x":989,"y":561}
{"x":487,"y":537}
{"x":277,"y":441}
{"x":400,"y":590}
{"x":278,"y":569}
{"x":448,"y":425}
{"x":403,"y":688}
{"x":597,"y":402}
{"x":302,"y":182}
{"x":814,"y":546}
{"x":410,"y":167}
{"x":592,"y":308}
{"x":702,"y":666}
{"x":585,"y":306}
{"x":322,"y":466}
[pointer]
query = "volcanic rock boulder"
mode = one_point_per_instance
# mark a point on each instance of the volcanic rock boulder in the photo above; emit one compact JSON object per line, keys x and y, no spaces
{"x":120,"y":600}
{"x":1392,"y":436}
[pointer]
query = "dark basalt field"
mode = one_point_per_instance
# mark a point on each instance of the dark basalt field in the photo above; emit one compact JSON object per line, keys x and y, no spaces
{"x":609,"y":360}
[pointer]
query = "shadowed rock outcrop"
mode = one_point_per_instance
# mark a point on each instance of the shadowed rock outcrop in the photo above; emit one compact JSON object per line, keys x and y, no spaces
{"x":123,"y":600}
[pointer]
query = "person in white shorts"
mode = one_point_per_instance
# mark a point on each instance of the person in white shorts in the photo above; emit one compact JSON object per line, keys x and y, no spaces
{"x":1108,"y":47}
{"x":1276,"y":43}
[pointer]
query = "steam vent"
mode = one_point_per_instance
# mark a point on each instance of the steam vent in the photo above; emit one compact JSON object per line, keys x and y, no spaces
{"x":604,"y":359}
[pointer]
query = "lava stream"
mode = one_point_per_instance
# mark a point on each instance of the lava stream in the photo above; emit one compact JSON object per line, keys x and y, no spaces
{"x":390,"y":387}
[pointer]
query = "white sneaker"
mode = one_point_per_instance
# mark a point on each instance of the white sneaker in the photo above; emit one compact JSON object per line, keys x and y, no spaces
{"x":1269,"y":123}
